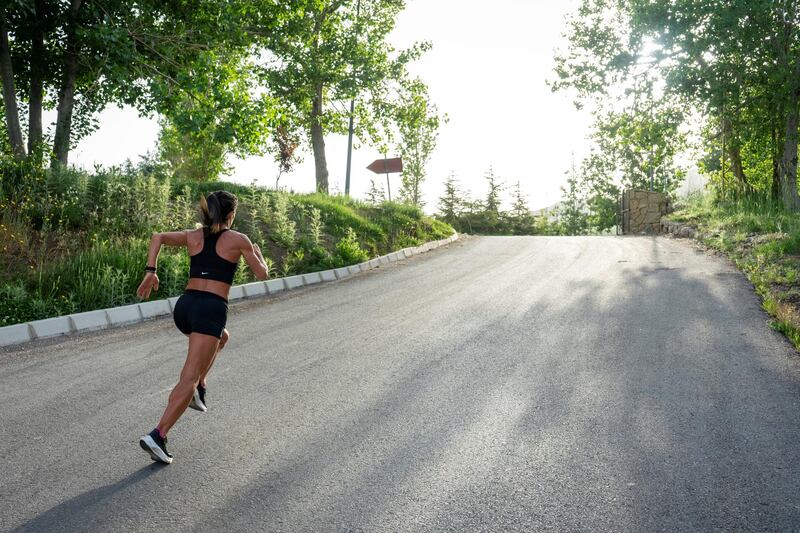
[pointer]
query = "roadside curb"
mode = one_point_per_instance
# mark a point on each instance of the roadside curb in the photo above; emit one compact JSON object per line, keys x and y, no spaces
{"x":136,"y":313}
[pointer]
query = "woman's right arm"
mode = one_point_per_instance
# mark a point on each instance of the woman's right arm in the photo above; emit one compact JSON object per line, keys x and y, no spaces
{"x":252,"y":254}
{"x":150,"y":281}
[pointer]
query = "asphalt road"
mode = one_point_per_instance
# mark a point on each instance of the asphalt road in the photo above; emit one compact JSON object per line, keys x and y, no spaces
{"x":498,"y":384}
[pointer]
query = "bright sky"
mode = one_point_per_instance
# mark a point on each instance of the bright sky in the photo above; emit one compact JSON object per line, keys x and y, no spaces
{"x":487,"y":71}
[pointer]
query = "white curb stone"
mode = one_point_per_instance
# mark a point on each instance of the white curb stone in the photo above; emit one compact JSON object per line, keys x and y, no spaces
{"x":257,"y":288}
{"x":14,"y":334}
{"x":126,"y":314}
{"x":50,"y":327}
{"x":236,"y":293}
{"x":103,"y":318}
{"x":155,"y":308}
{"x":292,"y":282}
{"x":328,"y":275}
{"x":90,"y":320}
{"x":275,"y":285}
{"x":312,"y":278}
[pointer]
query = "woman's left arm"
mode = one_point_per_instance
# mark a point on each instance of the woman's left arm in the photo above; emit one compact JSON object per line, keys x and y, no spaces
{"x":150,"y":281}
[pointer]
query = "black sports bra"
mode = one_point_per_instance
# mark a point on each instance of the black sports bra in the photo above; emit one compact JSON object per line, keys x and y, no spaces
{"x":208,"y":265}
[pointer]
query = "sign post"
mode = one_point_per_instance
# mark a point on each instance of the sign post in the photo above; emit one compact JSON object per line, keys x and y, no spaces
{"x":381,"y":166}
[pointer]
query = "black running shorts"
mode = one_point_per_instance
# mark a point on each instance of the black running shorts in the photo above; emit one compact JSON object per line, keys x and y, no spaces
{"x":201,"y":312}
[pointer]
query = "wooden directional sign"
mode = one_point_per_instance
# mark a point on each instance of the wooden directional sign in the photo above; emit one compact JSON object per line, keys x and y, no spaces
{"x":386,"y":166}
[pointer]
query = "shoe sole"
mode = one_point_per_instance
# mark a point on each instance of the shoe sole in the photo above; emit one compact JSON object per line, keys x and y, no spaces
{"x":149,"y":445}
{"x":196,"y":405}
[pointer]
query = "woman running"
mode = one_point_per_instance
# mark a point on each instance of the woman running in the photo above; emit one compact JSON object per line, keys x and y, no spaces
{"x":202,"y":310}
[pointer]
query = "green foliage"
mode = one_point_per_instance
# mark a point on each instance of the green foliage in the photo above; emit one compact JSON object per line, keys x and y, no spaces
{"x":154,"y":55}
{"x":349,"y":251}
{"x":282,"y":229}
{"x":331,"y":52}
{"x":194,"y":155}
{"x":487,"y":218}
{"x":418,"y":124}
{"x":735,"y":63}
{"x":572,"y":211}
{"x":74,"y":241}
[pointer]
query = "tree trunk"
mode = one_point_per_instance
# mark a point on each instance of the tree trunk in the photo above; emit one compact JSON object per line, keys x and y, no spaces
{"x":791,"y":201}
{"x":66,"y":99}
{"x":741,"y":187}
{"x":9,"y":94}
{"x":37,"y":91}
{"x":776,"y":164}
{"x":318,"y":141}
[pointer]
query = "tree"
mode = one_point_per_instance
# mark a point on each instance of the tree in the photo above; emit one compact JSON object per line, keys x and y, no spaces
{"x":80,"y":56}
{"x":522,"y":221}
{"x":738,"y":63}
{"x":194,"y":156}
{"x":452,"y":202}
{"x":219,"y":113}
{"x":601,"y":192}
{"x":331,"y":52}
{"x":492,"y":204}
{"x":418,"y":123}
{"x":572,"y":211}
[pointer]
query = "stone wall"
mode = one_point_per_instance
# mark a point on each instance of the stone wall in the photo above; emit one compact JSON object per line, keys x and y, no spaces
{"x":642,"y":211}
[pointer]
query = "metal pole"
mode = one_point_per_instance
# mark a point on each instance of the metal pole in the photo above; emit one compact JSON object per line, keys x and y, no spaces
{"x":386,"y":168}
{"x":350,"y":129}
{"x":349,"y":150}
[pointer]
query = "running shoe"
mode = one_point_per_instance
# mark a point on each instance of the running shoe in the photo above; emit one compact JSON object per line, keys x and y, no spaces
{"x":199,"y":399}
{"x":153,"y":444}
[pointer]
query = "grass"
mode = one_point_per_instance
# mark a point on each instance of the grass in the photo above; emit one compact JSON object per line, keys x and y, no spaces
{"x":763,"y":240}
{"x":74,"y":242}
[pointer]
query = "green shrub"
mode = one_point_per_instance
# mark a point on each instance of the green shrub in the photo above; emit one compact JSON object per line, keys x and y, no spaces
{"x":348,"y":251}
{"x":77,"y":241}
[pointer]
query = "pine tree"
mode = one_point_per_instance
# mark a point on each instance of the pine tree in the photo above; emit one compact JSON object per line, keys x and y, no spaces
{"x":452,"y":203}
{"x":522,"y":220}
{"x":519,"y":208}
{"x":572,"y":212}
{"x":492,"y":204}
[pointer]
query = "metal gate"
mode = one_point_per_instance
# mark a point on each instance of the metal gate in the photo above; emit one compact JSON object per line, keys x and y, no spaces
{"x":623,"y":213}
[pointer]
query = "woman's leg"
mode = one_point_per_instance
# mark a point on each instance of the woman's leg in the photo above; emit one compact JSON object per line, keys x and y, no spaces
{"x":222,"y":341}
{"x":202,"y":349}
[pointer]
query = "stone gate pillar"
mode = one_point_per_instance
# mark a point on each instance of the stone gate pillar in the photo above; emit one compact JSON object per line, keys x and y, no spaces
{"x":642,"y":211}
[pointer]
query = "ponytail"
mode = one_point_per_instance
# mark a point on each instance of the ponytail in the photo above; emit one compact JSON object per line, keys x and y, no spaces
{"x":215,"y":209}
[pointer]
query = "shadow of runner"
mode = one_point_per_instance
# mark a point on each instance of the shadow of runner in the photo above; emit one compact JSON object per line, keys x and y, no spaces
{"x":93,"y":509}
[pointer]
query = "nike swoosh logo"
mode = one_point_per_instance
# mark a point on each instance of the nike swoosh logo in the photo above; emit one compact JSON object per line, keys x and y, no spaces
{"x":203,"y":273}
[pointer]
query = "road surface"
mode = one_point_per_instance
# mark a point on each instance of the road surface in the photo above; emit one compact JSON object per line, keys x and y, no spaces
{"x":499,"y":384}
